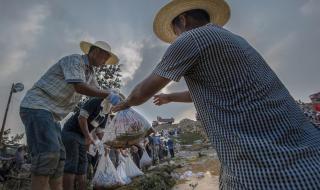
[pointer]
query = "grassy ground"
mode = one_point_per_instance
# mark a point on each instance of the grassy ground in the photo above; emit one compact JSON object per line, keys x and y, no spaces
{"x":157,"y":179}
{"x":188,"y":138}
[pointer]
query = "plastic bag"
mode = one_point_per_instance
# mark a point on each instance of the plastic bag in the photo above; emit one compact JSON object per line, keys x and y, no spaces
{"x":96,"y":147}
{"x":106,"y":175}
{"x":128,"y":127}
{"x":131,"y":169}
{"x":121,"y":170}
{"x":145,"y":160}
{"x":92,"y":150}
{"x":109,"y":133}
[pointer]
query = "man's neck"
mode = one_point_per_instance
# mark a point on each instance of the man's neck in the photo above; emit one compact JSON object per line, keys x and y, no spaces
{"x":196,"y":24}
{"x":90,"y":60}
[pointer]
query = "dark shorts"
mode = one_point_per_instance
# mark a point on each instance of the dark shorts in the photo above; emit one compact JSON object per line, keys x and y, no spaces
{"x":44,"y":142}
{"x":76,"y":157}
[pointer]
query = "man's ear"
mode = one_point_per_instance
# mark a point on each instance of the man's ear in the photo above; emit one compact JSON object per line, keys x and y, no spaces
{"x":94,"y":51}
{"x":183,"y":20}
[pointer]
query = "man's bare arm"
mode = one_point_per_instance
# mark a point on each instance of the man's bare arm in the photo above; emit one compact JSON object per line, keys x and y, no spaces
{"x":85,"y":89}
{"x":161,"y":99}
{"x":83,"y":123}
{"x":143,"y":91}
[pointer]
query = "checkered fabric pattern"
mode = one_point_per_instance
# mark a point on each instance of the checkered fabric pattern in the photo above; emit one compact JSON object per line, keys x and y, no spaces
{"x":54,"y":91}
{"x":261,"y":136}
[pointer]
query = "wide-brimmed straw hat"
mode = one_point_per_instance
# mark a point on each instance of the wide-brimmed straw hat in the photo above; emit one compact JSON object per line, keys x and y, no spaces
{"x":85,"y":47}
{"x":218,"y":10}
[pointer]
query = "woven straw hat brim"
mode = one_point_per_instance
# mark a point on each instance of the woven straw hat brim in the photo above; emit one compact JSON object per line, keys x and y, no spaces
{"x":85,"y":47}
{"x":218,"y":10}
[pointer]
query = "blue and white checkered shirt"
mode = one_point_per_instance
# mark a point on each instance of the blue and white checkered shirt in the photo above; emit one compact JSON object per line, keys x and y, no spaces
{"x":54,"y":91}
{"x":261,"y":136}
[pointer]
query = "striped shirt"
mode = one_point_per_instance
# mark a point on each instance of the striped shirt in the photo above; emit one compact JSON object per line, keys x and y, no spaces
{"x":261,"y":136}
{"x":54,"y":91}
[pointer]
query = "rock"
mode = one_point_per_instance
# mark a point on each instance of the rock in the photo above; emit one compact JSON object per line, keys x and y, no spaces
{"x":199,"y":175}
{"x":151,"y":168}
{"x":175,"y":176}
{"x":197,"y":142}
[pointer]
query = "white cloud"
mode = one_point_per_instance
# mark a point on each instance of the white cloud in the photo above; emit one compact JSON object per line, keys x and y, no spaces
{"x":189,"y":114}
{"x":310,"y":7}
{"x":22,"y":37}
{"x":166,"y":89}
{"x":75,"y":36}
{"x":130,"y":56}
{"x":278,"y":52}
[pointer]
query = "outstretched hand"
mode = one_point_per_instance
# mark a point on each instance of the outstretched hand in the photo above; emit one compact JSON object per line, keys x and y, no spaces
{"x":89,"y":140}
{"x":121,"y":106}
{"x":161,"y":99}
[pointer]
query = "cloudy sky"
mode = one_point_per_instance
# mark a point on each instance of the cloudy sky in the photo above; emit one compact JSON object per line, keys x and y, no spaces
{"x":35,"y":34}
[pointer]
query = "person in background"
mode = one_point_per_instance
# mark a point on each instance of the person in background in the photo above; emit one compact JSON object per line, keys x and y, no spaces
{"x":134,"y":150}
{"x":170,"y":147}
{"x":92,"y":153}
{"x":156,"y":148}
{"x":162,"y":151}
{"x":76,"y":138}
{"x":114,"y":157}
{"x":20,"y":157}
{"x":145,"y":145}
{"x":150,"y":145}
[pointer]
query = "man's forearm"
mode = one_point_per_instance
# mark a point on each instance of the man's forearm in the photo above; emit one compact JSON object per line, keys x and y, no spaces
{"x":136,"y":98}
{"x":87,"y":90}
{"x":146,"y":89}
{"x":180,"y":97}
{"x":84,"y":126}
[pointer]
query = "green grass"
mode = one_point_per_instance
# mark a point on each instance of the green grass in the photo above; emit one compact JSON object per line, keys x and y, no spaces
{"x":188,"y":138}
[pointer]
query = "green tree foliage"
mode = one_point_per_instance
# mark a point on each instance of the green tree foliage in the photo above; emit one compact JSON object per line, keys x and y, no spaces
{"x":8,"y":139}
{"x":107,"y":76}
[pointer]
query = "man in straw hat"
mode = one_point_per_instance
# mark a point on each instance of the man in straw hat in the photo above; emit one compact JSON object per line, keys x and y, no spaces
{"x":260,"y":134}
{"x":50,"y":99}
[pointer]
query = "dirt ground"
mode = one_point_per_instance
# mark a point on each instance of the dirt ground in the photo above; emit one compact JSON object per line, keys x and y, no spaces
{"x":207,"y":165}
{"x":208,"y":182}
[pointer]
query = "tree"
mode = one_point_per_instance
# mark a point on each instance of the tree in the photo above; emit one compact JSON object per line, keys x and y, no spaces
{"x":8,"y":140}
{"x":107,"y":76}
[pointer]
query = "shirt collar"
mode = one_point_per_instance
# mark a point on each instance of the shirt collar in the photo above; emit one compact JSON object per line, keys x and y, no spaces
{"x":85,"y":59}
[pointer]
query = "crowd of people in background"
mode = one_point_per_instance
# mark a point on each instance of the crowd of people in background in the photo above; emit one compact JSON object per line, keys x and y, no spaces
{"x":159,"y":147}
{"x":154,"y":149}
{"x":310,"y":112}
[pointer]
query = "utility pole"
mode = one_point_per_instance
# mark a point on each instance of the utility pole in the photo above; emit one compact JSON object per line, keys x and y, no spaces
{"x":14,"y":88}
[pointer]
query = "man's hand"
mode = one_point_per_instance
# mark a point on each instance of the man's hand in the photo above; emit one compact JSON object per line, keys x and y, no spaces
{"x":89,"y":140}
{"x":161,"y":99}
{"x":121,"y":106}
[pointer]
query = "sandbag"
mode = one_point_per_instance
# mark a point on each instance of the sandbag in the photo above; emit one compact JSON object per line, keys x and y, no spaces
{"x":131,"y":169}
{"x":145,"y":160}
{"x":106,"y":175}
{"x":126,"y":128}
{"x":121,"y":170}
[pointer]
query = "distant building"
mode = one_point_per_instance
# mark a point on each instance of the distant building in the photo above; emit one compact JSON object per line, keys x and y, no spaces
{"x":165,"y":120}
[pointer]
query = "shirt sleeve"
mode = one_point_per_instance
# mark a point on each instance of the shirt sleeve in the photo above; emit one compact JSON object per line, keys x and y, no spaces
{"x":103,"y":124}
{"x":94,"y":81}
{"x":90,"y":107}
{"x":178,"y":59}
{"x":73,"y":69}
